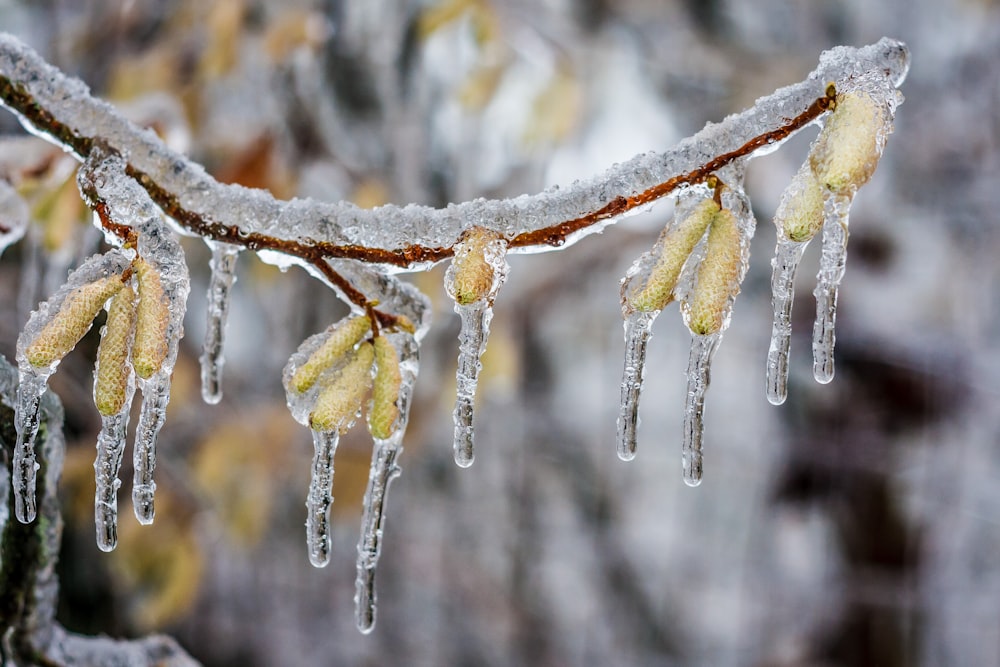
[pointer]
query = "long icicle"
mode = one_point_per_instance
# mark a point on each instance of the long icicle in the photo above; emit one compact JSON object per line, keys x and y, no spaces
{"x":638,"y":330}
{"x":831,"y":272}
{"x":223,"y":266}
{"x":155,"y":395}
{"x":476,"y":318}
{"x":24,"y":466}
{"x":320,"y":497}
{"x":110,"y":448}
{"x":384,"y":469}
{"x":785,"y":263}
{"x":698,"y":378}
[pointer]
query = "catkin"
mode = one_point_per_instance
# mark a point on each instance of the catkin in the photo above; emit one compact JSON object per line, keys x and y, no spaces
{"x":800,"y":213}
{"x":113,"y":367}
{"x":341,"y":397}
{"x":847,"y":150}
{"x":72,"y":321}
{"x":718,"y":275}
{"x":675,"y":243}
{"x":342,"y":339}
{"x":384,"y":411}
{"x":472,"y":275}
{"x":152,"y":319}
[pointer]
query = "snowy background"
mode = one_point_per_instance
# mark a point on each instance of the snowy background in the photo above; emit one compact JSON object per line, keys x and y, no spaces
{"x":858,"y":524}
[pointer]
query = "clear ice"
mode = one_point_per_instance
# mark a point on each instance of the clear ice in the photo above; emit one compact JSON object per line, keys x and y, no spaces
{"x":320,"y":497}
{"x":787,"y":255}
{"x":110,"y":449}
{"x":384,"y":469}
{"x":476,"y":318}
{"x":698,"y":377}
{"x":223,"y":264}
{"x":638,"y":330}
{"x":831,"y":272}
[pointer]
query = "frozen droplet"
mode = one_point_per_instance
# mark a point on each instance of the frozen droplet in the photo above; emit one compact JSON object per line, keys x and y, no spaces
{"x":223,"y":266}
{"x":472,"y":337}
{"x":24,"y":467}
{"x":320,"y":497}
{"x":831,"y":272}
{"x":698,"y":378}
{"x":784,"y":265}
{"x":110,"y":448}
{"x":638,"y":330}
{"x":155,"y":396}
{"x":384,"y":469}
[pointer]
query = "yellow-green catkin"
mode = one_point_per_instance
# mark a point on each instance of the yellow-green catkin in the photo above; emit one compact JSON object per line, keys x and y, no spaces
{"x":384,"y":412}
{"x":72,"y":321}
{"x":675,"y":244}
{"x":800,"y":214}
{"x":340,"y":399}
{"x":113,"y":367}
{"x":847,"y":150}
{"x":341,"y":341}
{"x":152,"y":320}
{"x":718,"y":275}
{"x":471,"y":276}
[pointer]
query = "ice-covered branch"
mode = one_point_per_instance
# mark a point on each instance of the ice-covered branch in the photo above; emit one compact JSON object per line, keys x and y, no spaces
{"x":62,"y":109}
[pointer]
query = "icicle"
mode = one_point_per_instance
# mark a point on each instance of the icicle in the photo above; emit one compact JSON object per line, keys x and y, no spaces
{"x":475,"y":329}
{"x":831,"y":272}
{"x":383,"y":470}
{"x":638,"y":330}
{"x":698,"y":377}
{"x":29,"y":394}
{"x":223,"y":266}
{"x":155,"y":396}
{"x":4,"y":495}
{"x":784,"y":265}
{"x":110,"y":447}
{"x":320,"y":497}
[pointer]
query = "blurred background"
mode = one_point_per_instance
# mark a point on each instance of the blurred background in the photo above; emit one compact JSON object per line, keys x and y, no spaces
{"x":858,"y":524}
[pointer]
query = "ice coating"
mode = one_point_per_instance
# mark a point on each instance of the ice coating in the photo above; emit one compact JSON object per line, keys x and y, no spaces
{"x":13,"y":216}
{"x":33,"y":380}
{"x":475,"y":329}
{"x":104,"y":177}
{"x":384,"y":469}
{"x":698,"y":377}
{"x":784,"y":265}
{"x":472,"y":281}
{"x":391,"y":227}
{"x":638,"y":330}
{"x":110,"y":449}
{"x":320,"y":497}
{"x":223,"y":265}
{"x":831,"y":272}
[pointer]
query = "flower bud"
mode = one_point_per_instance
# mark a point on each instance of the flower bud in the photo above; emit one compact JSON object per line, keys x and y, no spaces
{"x":152,"y":319}
{"x":718,"y":276}
{"x":478,"y":267}
{"x":674,"y":246}
{"x":384,"y":412}
{"x":113,"y":369}
{"x":800,"y":213}
{"x":341,"y":340}
{"x":847,"y":150}
{"x":72,"y":321}
{"x":340,"y":398}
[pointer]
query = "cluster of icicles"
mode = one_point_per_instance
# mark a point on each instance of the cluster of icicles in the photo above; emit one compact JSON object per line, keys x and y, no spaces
{"x":699,"y":260}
